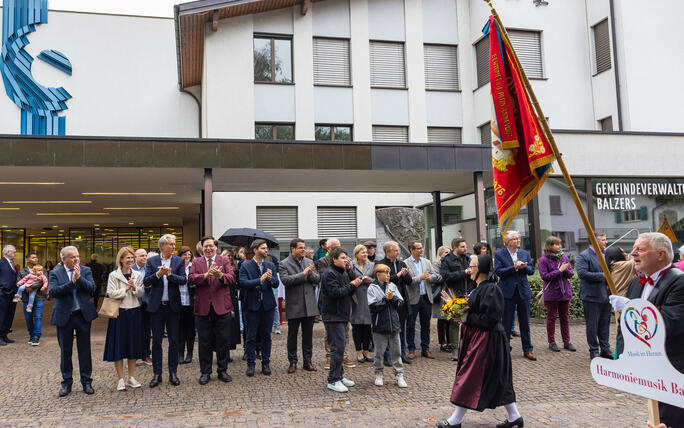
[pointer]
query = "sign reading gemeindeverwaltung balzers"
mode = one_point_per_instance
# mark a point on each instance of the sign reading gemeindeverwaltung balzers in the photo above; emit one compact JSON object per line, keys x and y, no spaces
{"x":622,"y":196}
{"x":643,"y":367}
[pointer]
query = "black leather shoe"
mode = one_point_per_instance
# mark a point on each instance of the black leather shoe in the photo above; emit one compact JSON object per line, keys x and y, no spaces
{"x":88,"y":389}
{"x":3,"y":343}
{"x":606,"y":354}
{"x":554,"y":347}
{"x":204,"y":379}
{"x":569,"y":346}
{"x":250,"y":371}
{"x":446,"y":424}
{"x":406,"y":360}
{"x":516,"y":423}
{"x":386,"y":363}
{"x":156,"y":380}
{"x":64,"y":390}
{"x":593,"y":354}
{"x":225,"y":377}
{"x":173,"y":379}
{"x":7,"y":339}
{"x":515,"y":333}
{"x":186,"y":360}
{"x":266,"y":369}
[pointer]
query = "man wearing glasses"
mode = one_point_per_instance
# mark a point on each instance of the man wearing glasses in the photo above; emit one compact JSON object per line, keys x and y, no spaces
{"x":164,"y":273}
{"x":513,"y":265}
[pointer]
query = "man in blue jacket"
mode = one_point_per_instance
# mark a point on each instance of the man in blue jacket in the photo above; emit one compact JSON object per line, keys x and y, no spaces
{"x":513,"y":265}
{"x":8,"y":288}
{"x":72,"y":285}
{"x":594,"y":296}
{"x":164,"y":274}
{"x":257,"y":279}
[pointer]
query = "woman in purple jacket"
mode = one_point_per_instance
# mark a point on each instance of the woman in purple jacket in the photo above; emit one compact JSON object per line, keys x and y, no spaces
{"x":555,"y":270}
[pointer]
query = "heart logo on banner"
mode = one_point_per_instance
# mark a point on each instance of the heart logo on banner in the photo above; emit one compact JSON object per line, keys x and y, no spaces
{"x":643,"y":325}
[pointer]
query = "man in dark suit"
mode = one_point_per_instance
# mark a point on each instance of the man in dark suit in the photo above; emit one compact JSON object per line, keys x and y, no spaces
{"x":401,"y":277}
{"x":164,"y":273}
{"x":139,"y":265}
{"x":212,"y":277}
{"x":257,"y":278}
{"x":513,"y":265}
{"x":8,"y":288}
{"x":663,"y":285}
{"x":455,"y":268}
{"x":299,"y":275}
{"x":594,"y":296}
{"x":72,"y":285}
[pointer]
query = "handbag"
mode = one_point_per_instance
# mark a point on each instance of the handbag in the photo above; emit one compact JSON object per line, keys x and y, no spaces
{"x":110,"y":307}
{"x":539,"y":297}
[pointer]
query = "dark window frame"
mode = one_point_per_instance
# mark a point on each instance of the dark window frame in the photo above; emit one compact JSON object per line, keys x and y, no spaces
{"x":274,"y":125}
{"x":332,"y":127}
{"x":273,"y":38}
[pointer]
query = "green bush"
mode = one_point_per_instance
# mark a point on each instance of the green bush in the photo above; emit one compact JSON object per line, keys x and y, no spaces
{"x":536,"y":311}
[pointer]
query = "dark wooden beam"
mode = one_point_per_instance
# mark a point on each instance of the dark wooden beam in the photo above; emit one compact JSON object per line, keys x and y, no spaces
{"x":215,"y":20}
{"x":305,"y":6}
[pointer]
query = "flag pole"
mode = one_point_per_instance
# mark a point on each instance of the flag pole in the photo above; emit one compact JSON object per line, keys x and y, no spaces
{"x":556,"y":152}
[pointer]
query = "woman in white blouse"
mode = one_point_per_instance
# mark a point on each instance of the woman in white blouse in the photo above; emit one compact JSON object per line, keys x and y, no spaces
{"x":124,"y":333}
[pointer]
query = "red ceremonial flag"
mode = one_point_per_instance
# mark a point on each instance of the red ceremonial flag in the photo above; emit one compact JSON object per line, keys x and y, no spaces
{"x":521,"y":154}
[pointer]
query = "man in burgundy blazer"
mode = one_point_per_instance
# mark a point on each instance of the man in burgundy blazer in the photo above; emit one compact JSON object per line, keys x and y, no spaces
{"x":212,"y":276}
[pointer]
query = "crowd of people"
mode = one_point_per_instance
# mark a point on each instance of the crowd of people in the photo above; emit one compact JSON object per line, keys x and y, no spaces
{"x":225,"y":299}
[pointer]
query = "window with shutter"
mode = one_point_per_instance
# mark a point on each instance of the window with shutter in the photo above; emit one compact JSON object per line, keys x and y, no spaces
{"x":390,"y":134}
{"x":280,"y":222}
{"x":441,"y":135}
{"x":331,"y":62}
{"x":527,"y":45}
{"x":485,"y":134}
{"x":555,"y":205}
{"x":601,"y":46}
{"x":482,"y":61}
{"x":441,"y":67}
{"x":387,"y":64}
{"x":337,"y":222}
{"x":606,"y":124}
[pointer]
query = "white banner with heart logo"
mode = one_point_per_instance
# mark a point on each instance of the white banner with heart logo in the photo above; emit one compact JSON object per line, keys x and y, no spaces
{"x":643,"y":368}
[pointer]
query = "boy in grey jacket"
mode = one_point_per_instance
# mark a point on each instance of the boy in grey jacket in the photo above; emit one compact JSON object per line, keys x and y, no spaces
{"x":383,"y":300}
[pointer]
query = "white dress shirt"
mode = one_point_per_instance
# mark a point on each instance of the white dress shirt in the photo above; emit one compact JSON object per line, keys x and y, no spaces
{"x":165,"y":293}
{"x":419,"y":270}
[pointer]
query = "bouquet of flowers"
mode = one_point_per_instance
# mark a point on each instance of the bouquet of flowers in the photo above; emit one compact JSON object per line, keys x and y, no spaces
{"x":454,"y":308}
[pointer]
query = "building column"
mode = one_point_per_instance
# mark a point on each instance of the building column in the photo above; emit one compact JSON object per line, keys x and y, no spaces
{"x":480,"y":212}
{"x":360,"y":70}
{"x":534,"y":226}
{"x":437,"y":200}
{"x":589,"y":188}
{"x":207,"y":196}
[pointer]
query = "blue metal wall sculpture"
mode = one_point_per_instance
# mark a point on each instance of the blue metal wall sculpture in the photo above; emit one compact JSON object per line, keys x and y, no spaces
{"x":40,"y":105}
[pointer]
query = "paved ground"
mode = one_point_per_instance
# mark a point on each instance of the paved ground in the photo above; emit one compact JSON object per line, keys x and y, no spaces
{"x":557,"y":391}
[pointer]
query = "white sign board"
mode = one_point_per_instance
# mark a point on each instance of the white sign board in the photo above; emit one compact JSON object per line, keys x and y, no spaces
{"x":643,"y":368}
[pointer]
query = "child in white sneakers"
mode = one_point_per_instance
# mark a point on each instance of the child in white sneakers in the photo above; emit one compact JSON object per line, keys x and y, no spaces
{"x":383,"y":300}
{"x":35,"y":277}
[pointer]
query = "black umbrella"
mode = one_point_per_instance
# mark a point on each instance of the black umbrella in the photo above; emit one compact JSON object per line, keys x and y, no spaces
{"x":244,"y":236}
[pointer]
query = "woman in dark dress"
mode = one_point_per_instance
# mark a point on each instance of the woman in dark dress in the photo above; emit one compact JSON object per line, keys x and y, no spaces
{"x":124,"y":333}
{"x":484,"y":377}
